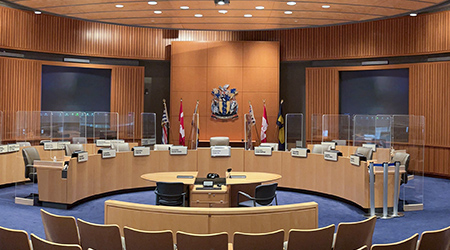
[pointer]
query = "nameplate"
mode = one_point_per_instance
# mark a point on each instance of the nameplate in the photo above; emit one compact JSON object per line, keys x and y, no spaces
{"x":4,"y":149}
{"x":141,"y":151}
{"x":221,"y":151}
{"x":13,"y":147}
{"x":354,"y":160}
{"x":330,"y":156}
{"x":299,"y":152}
{"x":50,"y":145}
{"x":263,"y":151}
{"x":148,"y":142}
{"x":82,"y":156}
{"x":371,"y":146}
{"x":62,"y":144}
{"x":178,"y":150}
{"x":103,"y":143}
{"x":331,"y":144}
{"x":108,"y":153}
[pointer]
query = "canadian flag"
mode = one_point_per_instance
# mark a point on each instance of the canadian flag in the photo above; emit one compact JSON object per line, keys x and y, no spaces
{"x":264,"y":125}
{"x":181,"y":119}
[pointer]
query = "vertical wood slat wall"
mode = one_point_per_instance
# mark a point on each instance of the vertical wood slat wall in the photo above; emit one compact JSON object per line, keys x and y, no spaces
{"x":424,"y":34}
{"x":20,"y":90}
{"x":428,"y":96}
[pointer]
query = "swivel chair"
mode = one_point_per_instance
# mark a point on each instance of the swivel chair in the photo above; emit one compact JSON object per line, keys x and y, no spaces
{"x":264,"y":195}
{"x":121,"y":147}
{"x":79,"y":140}
{"x":162,"y":147}
{"x":24,"y":144}
{"x":403,"y":158}
{"x":219,"y":141}
{"x":170,"y":194}
{"x":366,"y":152}
{"x":29,"y":156}
{"x":70,"y":148}
{"x":320,"y":149}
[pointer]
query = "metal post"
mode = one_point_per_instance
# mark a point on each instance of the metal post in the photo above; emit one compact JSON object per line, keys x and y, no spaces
{"x":396,"y":190}
{"x":385,"y":190}
{"x":372,"y":189}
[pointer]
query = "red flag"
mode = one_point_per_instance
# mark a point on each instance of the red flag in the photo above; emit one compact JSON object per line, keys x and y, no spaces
{"x":181,"y":119}
{"x":264,"y":125}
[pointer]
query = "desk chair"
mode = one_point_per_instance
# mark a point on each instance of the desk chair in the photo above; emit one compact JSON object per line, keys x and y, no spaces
{"x":121,"y":147}
{"x":219,"y":141}
{"x":11,"y":239}
{"x":435,"y":240}
{"x":264,"y":195}
{"x":170,"y":194}
{"x":41,"y":244}
{"x":42,"y":142}
{"x":24,"y":144}
{"x":320,"y":149}
{"x":162,"y":147}
{"x":260,"y":241}
{"x":79,"y":140}
{"x":60,"y":229}
{"x":366,"y":152}
{"x":150,"y":240}
{"x":274,"y":146}
{"x":403,"y":158}
{"x":186,"y":241}
{"x":408,"y":244}
{"x":70,"y":148}
{"x":99,"y":237}
{"x":353,"y":235}
{"x":311,"y":239}
{"x":29,"y":156}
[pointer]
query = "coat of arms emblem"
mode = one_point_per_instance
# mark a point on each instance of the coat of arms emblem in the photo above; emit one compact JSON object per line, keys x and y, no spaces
{"x":224,"y":105}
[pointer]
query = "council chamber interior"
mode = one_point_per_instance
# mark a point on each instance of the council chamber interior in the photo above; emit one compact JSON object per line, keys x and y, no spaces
{"x":224,"y":125}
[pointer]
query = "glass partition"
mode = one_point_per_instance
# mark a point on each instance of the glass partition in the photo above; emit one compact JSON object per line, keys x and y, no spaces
{"x":248,"y":128}
{"x":336,"y":128}
{"x":294,"y":131}
{"x":126,"y":126}
{"x":316,"y":128}
{"x":105,"y":125}
{"x":372,"y":129}
{"x":1,"y":127}
{"x":192,"y":142}
{"x":75,"y":130}
{"x":148,"y":129}
{"x":408,"y":144}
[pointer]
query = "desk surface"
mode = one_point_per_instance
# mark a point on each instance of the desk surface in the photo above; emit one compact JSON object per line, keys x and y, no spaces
{"x":250,"y":177}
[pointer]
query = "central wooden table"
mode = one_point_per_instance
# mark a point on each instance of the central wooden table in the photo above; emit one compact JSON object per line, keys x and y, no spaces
{"x":226,"y":196}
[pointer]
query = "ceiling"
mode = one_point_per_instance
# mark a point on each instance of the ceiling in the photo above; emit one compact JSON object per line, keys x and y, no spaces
{"x":275,"y":15}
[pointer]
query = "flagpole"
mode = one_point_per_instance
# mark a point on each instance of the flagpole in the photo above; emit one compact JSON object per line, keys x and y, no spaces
{"x":191,"y":144}
{"x":256,"y":129}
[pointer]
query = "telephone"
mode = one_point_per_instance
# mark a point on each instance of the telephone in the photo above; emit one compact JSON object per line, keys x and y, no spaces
{"x":212,"y":176}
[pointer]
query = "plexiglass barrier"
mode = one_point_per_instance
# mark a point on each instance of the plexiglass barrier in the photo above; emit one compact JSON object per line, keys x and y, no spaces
{"x":1,"y":127}
{"x":248,"y":128}
{"x":126,"y":126}
{"x":148,"y":129}
{"x":408,"y":144}
{"x":316,"y":128}
{"x":194,"y":133}
{"x":75,"y":127}
{"x":106,"y":126}
{"x":294,"y":131}
{"x":372,"y":129}
{"x":336,"y":128}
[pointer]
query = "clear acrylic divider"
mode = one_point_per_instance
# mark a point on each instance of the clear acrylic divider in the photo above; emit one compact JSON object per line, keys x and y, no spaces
{"x":248,"y":131}
{"x":193,"y":137}
{"x":105,"y":126}
{"x":316,"y":128}
{"x":58,"y":135}
{"x":148,"y":129}
{"x":336,"y":128}
{"x":408,"y":141}
{"x":364,"y":130}
{"x":294,"y":131}
{"x":75,"y":129}
{"x":126,"y":127}
{"x":1,"y":127}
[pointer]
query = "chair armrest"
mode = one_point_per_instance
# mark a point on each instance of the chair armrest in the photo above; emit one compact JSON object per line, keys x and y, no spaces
{"x":245,"y":194}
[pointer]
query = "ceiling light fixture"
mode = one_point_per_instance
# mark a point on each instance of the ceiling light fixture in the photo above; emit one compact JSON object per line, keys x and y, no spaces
{"x":248,"y":15}
{"x":223,"y":11}
{"x":259,"y":7}
{"x":221,"y":2}
{"x":198,"y":15}
{"x":37,"y":12}
{"x":413,"y":14}
{"x":153,"y":3}
{"x":119,"y":6}
{"x":291,"y":3}
{"x":326,"y":6}
{"x":288,"y":12}
{"x":184,"y":7}
{"x":157,"y":12}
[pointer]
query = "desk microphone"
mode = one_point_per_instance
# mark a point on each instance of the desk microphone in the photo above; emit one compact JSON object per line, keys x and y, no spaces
{"x":229,"y":172}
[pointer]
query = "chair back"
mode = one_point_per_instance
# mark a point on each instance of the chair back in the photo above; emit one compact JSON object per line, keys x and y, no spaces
{"x":355,"y":234}
{"x":186,"y":241}
{"x":11,"y":239}
{"x":70,"y":148}
{"x":122,"y":147}
{"x":162,"y":147}
{"x":435,"y":240}
{"x":79,"y":140}
{"x":366,"y":152}
{"x":41,"y":244}
{"x":219,"y":141}
{"x":42,"y":142}
{"x":402,"y":157}
{"x":60,"y":229}
{"x":261,"y":241}
{"x":408,"y":244}
{"x":150,"y":240}
{"x":264,"y":194}
{"x":311,"y":239}
{"x":29,"y":156}
{"x":362,"y":248}
{"x":23,"y":144}
{"x":274,"y":146}
{"x":169,"y":193}
{"x":320,"y":149}
{"x":99,"y":237}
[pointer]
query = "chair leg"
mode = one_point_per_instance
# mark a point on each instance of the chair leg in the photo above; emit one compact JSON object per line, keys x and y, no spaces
{"x":276,"y":200}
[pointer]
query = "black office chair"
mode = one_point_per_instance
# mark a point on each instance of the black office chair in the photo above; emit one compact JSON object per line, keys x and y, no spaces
{"x":170,"y":194}
{"x":264,"y":195}
{"x":29,"y":156}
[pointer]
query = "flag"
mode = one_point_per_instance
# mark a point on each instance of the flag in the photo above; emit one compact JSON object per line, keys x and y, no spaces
{"x":264,"y":125}
{"x":252,"y":116}
{"x":280,"y":124}
{"x":181,"y":120}
{"x":165,"y":125}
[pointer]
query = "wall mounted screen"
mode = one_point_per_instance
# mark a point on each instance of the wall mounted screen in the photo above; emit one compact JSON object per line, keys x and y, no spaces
{"x":75,"y":89}
{"x":373,"y":92}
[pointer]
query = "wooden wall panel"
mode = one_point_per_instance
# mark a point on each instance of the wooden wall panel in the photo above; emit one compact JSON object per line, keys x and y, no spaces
{"x":424,"y":34}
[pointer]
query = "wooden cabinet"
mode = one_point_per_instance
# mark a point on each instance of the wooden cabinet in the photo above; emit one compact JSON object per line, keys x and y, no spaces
{"x":209,"y":198}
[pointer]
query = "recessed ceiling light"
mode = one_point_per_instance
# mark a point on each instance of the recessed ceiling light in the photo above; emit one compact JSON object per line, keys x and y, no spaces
{"x":413,"y":14}
{"x":326,"y":6}
{"x":221,"y":3}
{"x":291,"y":3}
{"x":296,"y":21}
{"x":184,"y":7}
{"x":157,"y":12}
{"x":223,"y":11}
{"x":288,"y":12}
{"x":198,"y":15}
{"x":119,"y":5}
{"x":153,"y":3}
{"x":37,"y":12}
{"x":259,"y":7}
{"x":248,"y":15}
